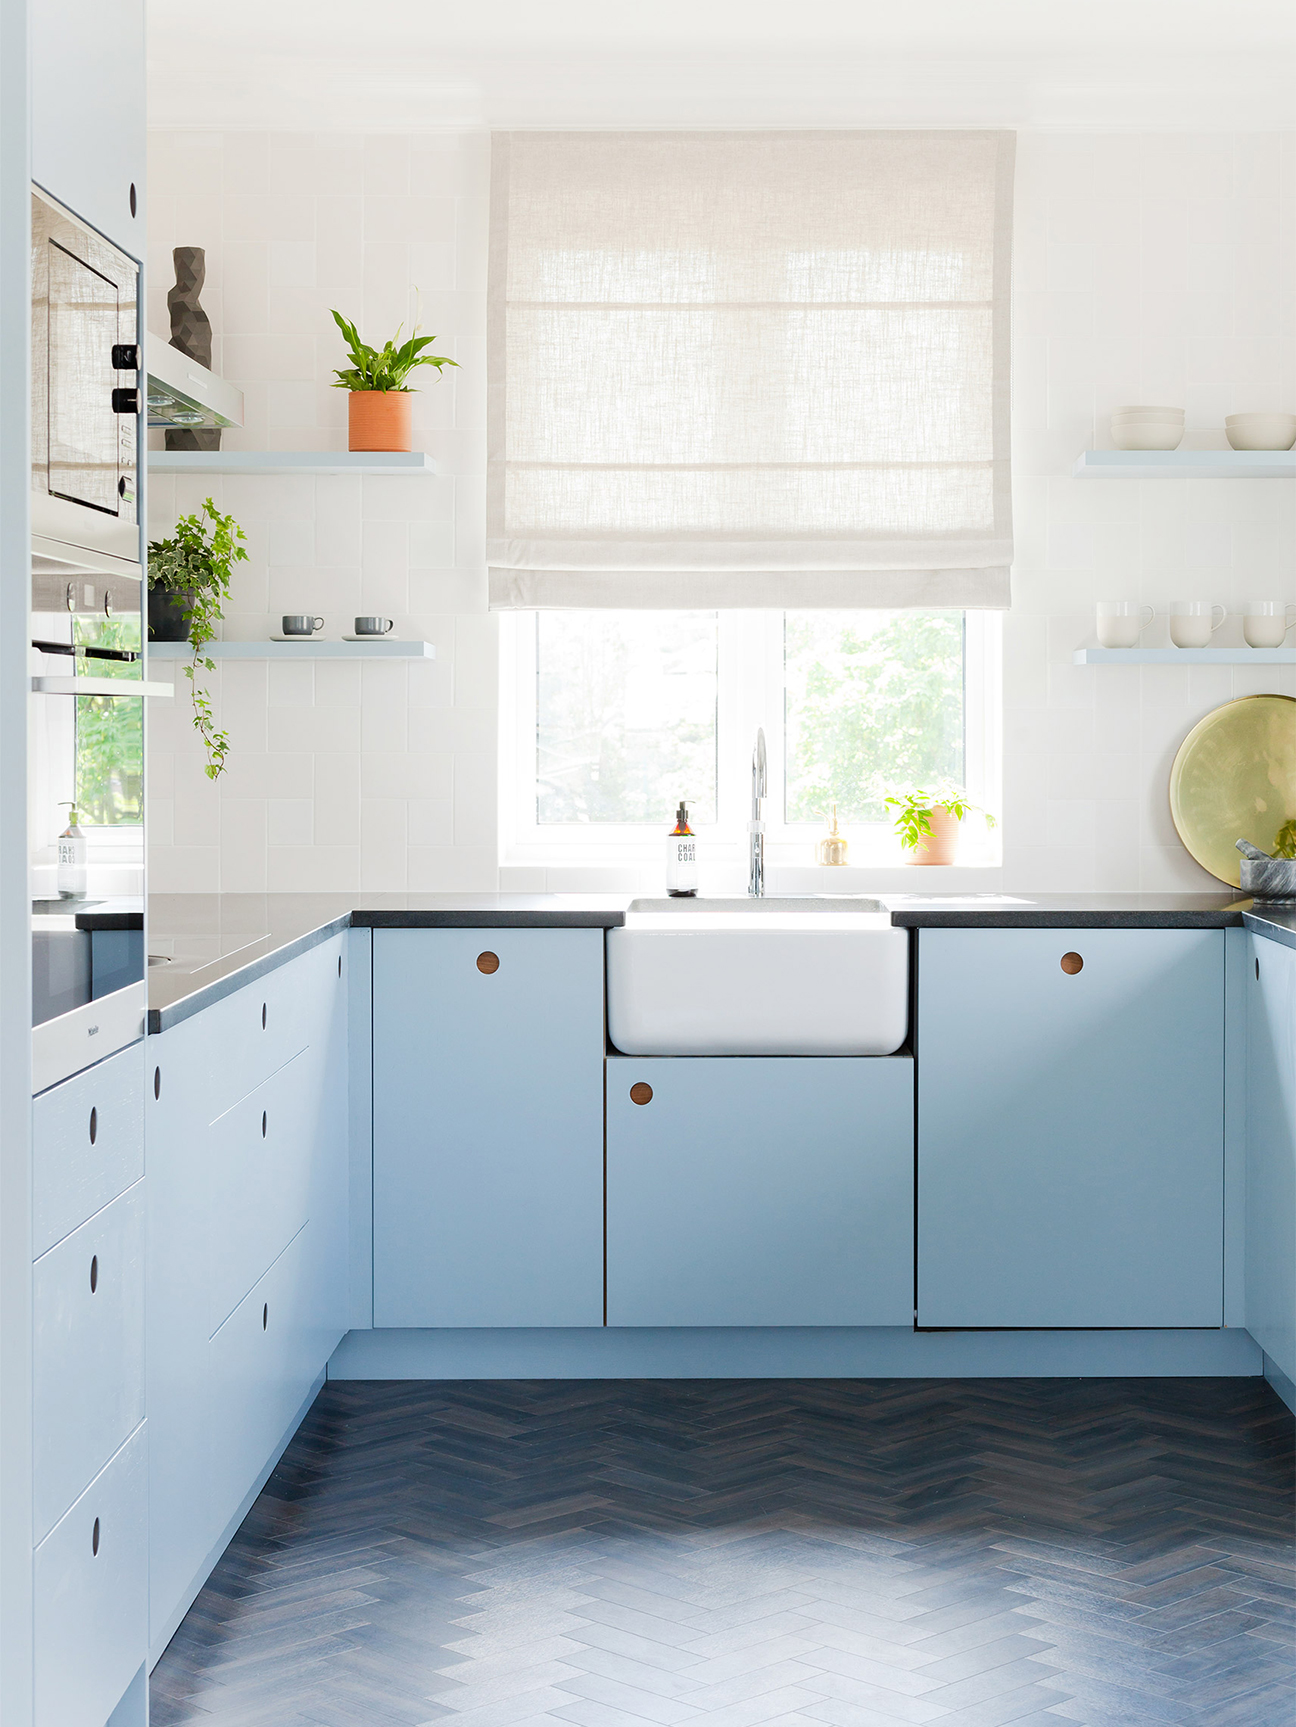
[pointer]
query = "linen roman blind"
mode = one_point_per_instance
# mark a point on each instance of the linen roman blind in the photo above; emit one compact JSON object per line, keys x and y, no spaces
{"x":749,"y":369}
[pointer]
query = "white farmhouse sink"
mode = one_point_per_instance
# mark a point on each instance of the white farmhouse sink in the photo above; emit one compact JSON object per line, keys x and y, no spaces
{"x":757,"y":977}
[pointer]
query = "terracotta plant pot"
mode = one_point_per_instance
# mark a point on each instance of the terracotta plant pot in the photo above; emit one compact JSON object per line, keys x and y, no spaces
{"x":941,"y":845}
{"x":378,"y":420}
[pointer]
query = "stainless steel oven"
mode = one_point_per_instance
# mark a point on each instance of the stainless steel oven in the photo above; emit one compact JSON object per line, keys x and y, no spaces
{"x":87,"y":356}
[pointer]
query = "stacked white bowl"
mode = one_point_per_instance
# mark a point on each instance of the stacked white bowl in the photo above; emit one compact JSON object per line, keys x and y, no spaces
{"x":1147,"y":428}
{"x":1260,"y":431}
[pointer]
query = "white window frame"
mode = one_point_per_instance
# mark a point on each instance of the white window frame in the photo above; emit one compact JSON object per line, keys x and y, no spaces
{"x":750,"y":694}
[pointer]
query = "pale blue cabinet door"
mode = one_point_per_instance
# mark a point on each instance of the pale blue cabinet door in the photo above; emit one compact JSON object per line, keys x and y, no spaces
{"x":488,"y":1127}
{"x":760,"y":1191}
{"x":182,"y":1517}
{"x":1070,"y":1128}
{"x":1271,"y":1152}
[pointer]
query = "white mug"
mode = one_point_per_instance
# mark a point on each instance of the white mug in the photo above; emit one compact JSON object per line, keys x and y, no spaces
{"x":1193,"y":622}
{"x":1265,"y":623}
{"x":1122,"y":622}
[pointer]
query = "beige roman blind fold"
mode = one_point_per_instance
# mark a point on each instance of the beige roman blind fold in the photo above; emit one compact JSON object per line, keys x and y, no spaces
{"x":749,"y":369}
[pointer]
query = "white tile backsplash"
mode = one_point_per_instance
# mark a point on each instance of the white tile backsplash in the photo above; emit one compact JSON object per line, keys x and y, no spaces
{"x":1147,"y":268}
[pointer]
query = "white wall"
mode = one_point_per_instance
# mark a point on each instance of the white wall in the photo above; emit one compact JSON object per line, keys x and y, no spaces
{"x":1152,"y":269}
{"x":340,"y":775}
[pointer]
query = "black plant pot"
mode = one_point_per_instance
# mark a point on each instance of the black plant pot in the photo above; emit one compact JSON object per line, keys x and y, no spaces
{"x":168,"y":615}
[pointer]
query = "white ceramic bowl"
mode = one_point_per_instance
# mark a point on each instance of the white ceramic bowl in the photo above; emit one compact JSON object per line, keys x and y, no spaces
{"x":1147,"y":417}
{"x":1261,"y":431}
{"x":1147,"y":435}
{"x":1148,"y":413}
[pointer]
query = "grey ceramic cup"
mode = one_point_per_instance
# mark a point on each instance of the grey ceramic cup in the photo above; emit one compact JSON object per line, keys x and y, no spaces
{"x":374,"y":626}
{"x":301,"y":624}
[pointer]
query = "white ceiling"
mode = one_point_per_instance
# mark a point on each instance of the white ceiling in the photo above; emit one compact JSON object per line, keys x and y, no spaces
{"x":363,"y":65}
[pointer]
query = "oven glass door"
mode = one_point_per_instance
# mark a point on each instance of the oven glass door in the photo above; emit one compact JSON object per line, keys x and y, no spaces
{"x":84,"y":432}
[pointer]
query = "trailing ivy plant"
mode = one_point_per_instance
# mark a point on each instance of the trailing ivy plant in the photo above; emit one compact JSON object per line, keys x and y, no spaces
{"x":194,"y":565}
{"x":912,"y":819}
{"x":384,"y":368}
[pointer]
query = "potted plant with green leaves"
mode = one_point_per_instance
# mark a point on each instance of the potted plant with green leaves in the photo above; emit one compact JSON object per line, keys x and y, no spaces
{"x":189,"y":579}
{"x":929,"y":822}
{"x":378,"y":408}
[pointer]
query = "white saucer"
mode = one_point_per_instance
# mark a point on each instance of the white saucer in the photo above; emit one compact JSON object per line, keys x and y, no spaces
{"x":389,"y":637}
{"x":317,"y":638}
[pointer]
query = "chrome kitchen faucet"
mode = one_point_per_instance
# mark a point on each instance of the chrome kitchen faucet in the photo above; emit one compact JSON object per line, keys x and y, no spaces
{"x":756,"y":827}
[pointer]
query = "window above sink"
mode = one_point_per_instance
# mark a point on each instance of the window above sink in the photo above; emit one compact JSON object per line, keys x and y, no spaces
{"x":609,"y":719}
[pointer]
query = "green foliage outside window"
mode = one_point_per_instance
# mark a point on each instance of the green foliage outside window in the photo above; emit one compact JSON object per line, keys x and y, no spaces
{"x":874,"y":701}
{"x":110,"y":732}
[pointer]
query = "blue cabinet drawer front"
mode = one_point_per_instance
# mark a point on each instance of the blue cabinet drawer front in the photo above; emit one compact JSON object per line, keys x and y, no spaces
{"x":760,"y":1191}
{"x":261,"y":1156}
{"x":1070,"y":1128}
{"x":90,"y":1606}
{"x":87,"y":1353}
{"x":1271,"y":1151}
{"x":87,"y":1145}
{"x":253,"y":1032}
{"x":488,"y":1127}
{"x":260,"y":1365}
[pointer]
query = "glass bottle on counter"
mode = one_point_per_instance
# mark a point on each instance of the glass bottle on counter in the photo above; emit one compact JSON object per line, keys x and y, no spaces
{"x":71,"y":876}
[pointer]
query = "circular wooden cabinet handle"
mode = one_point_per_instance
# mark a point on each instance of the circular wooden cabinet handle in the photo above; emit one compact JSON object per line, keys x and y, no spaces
{"x":641,"y":1092}
{"x":488,"y":962}
{"x":1072,"y":963}
{"x":94,"y":1539}
{"x":94,"y":1272}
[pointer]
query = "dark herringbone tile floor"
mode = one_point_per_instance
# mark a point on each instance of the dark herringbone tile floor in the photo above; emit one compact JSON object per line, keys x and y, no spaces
{"x":738,"y":1553}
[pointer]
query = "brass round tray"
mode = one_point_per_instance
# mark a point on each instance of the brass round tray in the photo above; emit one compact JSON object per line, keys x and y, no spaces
{"x":1234,"y":777}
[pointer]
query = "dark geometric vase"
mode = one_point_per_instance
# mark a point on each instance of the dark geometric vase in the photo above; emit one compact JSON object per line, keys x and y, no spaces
{"x":191,"y":334}
{"x":168,"y":615}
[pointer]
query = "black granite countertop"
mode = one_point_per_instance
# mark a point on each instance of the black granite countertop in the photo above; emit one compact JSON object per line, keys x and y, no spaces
{"x":1278,"y":922}
{"x":205,"y":946}
{"x":1067,"y":910}
{"x":105,"y":912}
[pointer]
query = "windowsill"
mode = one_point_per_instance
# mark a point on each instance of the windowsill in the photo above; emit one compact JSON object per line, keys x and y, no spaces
{"x":643,"y":875}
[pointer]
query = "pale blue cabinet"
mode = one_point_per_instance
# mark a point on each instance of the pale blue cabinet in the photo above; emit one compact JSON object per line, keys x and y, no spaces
{"x":89,"y":1436}
{"x":1271,"y":1152}
{"x":90,"y":1590}
{"x":246,"y":1139}
{"x":1070,"y":1128}
{"x":88,"y":139}
{"x":760,"y":1191}
{"x":488,"y":1127}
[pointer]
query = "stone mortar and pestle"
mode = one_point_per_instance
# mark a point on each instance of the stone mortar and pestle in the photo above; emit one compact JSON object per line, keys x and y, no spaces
{"x":1264,"y":877}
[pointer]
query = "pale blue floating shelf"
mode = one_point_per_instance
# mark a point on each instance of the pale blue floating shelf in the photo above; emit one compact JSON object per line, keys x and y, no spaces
{"x":381,"y":648}
{"x":1185,"y":656}
{"x":374,"y":462}
{"x":1186,"y":465}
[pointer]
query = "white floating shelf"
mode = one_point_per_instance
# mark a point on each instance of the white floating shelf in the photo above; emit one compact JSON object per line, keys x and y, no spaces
{"x":52,"y":686}
{"x":1185,"y":656}
{"x":386,"y":462}
{"x":381,"y":648}
{"x":1186,"y":465}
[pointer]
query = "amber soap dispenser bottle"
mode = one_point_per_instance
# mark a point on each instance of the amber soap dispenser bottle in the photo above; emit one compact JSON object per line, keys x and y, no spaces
{"x":681,"y":858}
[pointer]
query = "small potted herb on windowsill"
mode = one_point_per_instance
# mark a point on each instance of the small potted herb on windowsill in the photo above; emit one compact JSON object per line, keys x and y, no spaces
{"x":189,"y":578}
{"x":378,"y":408}
{"x":929,"y":822}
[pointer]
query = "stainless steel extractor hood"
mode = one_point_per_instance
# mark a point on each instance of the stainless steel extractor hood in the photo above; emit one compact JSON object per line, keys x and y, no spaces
{"x":183,"y":393}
